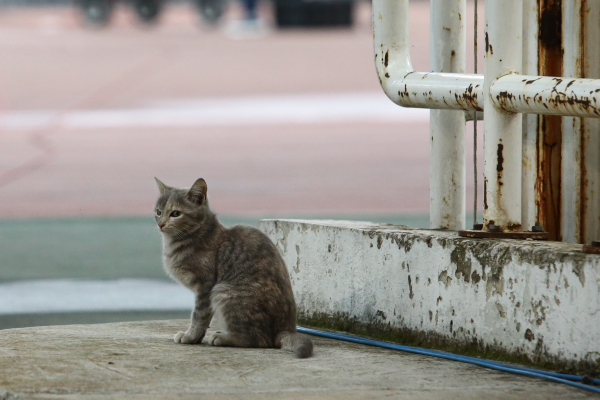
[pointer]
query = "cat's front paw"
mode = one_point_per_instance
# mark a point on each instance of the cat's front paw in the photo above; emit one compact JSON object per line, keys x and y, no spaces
{"x":212,"y":338}
{"x":183,"y":338}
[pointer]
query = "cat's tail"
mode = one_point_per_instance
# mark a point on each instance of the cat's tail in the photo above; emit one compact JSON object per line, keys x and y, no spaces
{"x":293,"y":341}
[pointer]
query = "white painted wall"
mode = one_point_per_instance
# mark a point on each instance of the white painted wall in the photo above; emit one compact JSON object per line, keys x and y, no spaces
{"x":540,"y":298}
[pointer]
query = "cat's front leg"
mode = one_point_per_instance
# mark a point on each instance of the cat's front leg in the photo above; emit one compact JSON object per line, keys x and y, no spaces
{"x":201,"y":317}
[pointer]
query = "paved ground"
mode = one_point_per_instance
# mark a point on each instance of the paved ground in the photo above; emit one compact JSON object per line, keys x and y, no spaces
{"x":139,"y":360}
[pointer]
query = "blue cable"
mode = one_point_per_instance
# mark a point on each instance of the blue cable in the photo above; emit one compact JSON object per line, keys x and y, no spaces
{"x":571,"y":380}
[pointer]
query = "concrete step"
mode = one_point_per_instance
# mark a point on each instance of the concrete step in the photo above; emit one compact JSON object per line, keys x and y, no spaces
{"x":533,"y":301}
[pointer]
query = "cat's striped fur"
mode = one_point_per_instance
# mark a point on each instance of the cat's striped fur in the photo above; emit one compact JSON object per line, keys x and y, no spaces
{"x":237,"y":275}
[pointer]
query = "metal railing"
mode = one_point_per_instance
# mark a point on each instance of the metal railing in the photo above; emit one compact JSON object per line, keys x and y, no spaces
{"x":513,"y":160}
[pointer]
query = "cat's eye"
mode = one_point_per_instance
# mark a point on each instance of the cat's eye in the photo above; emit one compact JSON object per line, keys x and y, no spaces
{"x":175,"y":214}
{"x":158,"y":212}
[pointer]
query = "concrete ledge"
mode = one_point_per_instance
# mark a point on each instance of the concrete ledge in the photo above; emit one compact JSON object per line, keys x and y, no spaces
{"x":540,"y":300}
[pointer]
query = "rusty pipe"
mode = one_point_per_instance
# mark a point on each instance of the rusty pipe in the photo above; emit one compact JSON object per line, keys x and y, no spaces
{"x":547,"y":95}
{"x":403,"y":85}
{"x":502,"y":130}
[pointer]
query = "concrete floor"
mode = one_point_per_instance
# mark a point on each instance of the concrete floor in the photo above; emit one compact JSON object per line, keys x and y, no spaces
{"x":138,"y":360}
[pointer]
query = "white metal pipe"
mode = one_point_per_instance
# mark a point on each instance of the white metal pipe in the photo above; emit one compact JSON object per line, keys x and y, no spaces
{"x":570,"y":187}
{"x":529,"y":212}
{"x":404,"y":86}
{"x":459,"y":91}
{"x":591,"y":129}
{"x":507,"y":95}
{"x":547,"y":95}
{"x":447,"y":157}
{"x":503,"y":130}
{"x":591,"y":191}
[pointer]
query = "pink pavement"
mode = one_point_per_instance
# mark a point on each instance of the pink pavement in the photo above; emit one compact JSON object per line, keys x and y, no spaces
{"x":50,"y":62}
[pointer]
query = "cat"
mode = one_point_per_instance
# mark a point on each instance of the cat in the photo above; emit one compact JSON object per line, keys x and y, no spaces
{"x":236,"y":274}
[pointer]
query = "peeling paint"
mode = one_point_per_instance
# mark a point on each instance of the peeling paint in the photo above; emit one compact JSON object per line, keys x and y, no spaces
{"x":297,"y":267}
{"x":444,"y":278}
{"x":462,"y":262}
{"x":529,"y":335}
{"x":501,"y":310}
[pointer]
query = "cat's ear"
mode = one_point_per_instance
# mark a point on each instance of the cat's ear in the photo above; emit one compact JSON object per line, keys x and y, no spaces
{"x":197,"y":192}
{"x":162,"y":187}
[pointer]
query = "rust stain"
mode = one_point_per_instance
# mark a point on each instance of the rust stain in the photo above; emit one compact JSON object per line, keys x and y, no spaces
{"x":513,"y":227}
{"x":505,"y":98}
{"x":550,"y":27}
{"x":550,"y":63}
{"x":529,"y":82}
{"x":499,"y":166}
{"x":405,"y":93}
{"x":551,"y":178}
{"x":487,"y":44}
{"x":468,"y":100}
{"x":485,"y":204}
{"x":569,"y":84}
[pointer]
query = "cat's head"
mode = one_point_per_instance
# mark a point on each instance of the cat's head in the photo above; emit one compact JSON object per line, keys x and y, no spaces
{"x":181,"y":212}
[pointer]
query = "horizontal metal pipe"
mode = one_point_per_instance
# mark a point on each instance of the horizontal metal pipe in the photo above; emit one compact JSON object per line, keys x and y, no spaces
{"x":400,"y":82}
{"x":513,"y":93}
{"x":438,"y":90}
{"x":453,"y":91}
{"x":547,"y":95}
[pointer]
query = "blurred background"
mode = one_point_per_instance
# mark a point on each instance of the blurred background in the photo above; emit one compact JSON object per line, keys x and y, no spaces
{"x":276,"y":105}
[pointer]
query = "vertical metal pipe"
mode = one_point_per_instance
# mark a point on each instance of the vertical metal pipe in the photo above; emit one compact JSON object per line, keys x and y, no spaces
{"x":503,"y":130}
{"x":447,"y":165}
{"x":391,"y":41}
{"x":570,"y":186}
{"x":475,"y":55}
{"x":530,"y":121}
{"x":591,"y":127}
{"x":550,"y":63}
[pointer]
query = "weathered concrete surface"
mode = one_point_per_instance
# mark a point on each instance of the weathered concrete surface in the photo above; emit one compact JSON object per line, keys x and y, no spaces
{"x":138,"y":360}
{"x":538,"y":299}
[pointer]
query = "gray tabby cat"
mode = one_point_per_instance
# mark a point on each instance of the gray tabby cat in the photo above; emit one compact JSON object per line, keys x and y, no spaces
{"x":236,"y":274}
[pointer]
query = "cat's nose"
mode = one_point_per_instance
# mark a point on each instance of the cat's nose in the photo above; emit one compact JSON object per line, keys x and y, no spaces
{"x":161,"y":225}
